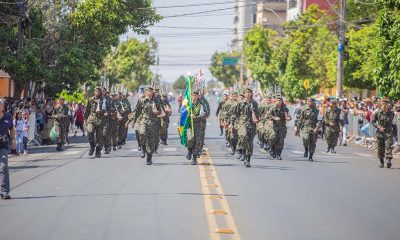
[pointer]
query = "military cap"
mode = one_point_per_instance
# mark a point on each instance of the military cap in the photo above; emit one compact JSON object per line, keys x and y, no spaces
{"x":279,"y":98}
{"x":235,"y":92}
{"x":310,"y":99}
{"x":334,"y":101}
{"x":98,"y":88}
{"x":149,"y":88}
{"x":156,"y":90}
{"x":248,"y":90}
{"x":196,"y":92}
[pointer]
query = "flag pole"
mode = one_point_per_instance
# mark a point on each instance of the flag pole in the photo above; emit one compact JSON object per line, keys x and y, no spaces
{"x":191,"y":105}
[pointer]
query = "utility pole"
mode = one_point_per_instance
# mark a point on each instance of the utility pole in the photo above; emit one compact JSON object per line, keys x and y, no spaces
{"x":21,"y":16}
{"x":341,"y":49}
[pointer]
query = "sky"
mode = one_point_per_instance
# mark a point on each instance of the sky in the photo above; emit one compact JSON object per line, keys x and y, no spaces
{"x":189,"y":49}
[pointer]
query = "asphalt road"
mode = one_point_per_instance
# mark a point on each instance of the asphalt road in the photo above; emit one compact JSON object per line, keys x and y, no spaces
{"x":71,"y":196}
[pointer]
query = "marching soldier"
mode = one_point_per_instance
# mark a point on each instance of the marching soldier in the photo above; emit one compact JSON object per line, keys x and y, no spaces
{"x":114,"y":124}
{"x":279,"y":129}
{"x":60,"y":115}
{"x":165,"y":120}
{"x":248,"y":113}
{"x":383,"y":123}
{"x":309,"y":125}
{"x":108,"y":107}
{"x":94,"y":116}
{"x":332,"y":121}
{"x":148,"y":113}
{"x":159,"y":104}
{"x":220,"y":113}
{"x":195,"y":141}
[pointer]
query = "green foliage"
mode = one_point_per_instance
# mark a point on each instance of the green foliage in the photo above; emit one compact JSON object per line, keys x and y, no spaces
{"x":311,"y":54}
{"x":75,"y":97}
{"x":229,"y":75}
{"x":130,"y":63}
{"x":359,"y":70}
{"x":180,"y":83}
{"x":387,"y":52}
{"x":258,"y":52}
{"x":66,"y":42}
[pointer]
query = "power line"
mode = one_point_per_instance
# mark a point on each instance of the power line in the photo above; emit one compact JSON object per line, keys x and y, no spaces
{"x":208,"y":11}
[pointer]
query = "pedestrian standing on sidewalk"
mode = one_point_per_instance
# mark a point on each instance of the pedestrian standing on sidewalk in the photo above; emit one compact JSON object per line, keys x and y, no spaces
{"x":25,"y":132}
{"x":6,"y":134}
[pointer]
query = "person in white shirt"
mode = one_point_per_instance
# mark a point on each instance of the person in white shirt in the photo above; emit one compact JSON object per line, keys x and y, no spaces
{"x":25,"y":133}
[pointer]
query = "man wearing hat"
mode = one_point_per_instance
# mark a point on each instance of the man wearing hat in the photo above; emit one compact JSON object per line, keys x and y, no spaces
{"x":384,"y":135}
{"x":147,"y":112}
{"x":332,"y":121}
{"x":60,"y":115}
{"x":194,"y":133}
{"x":109,"y":108}
{"x":232,"y":123}
{"x":220,"y":113}
{"x":309,"y":125}
{"x":279,"y":118}
{"x":165,"y":119}
{"x":94,"y":116}
{"x":248,"y":113}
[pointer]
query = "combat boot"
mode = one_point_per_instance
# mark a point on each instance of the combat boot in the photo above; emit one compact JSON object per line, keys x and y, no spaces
{"x":189,"y":155}
{"x":240,"y":154}
{"x":389,"y":164}
{"x":247,"y":162}
{"x":106,"y":150}
{"x":142,"y":152}
{"x":310,"y":158}
{"x":91,"y":151}
{"x":114,"y":148}
{"x":58,"y":147}
{"x":306,"y":152}
{"x":194,"y":161}
{"x":333,"y":150}
{"x":273,"y":152}
{"x":149,"y":159}
{"x":278,"y":154}
{"x":98,"y":152}
{"x":328,"y":149}
{"x":222,"y":131}
{"x":233,"y":150}
{"x":61,"y":147}
{"x":381,"y":163}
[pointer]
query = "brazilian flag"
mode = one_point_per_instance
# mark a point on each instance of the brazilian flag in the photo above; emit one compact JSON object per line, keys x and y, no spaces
{"x":184,"y":121}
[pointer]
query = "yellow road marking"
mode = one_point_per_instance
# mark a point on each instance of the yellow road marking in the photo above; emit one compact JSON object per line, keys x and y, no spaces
{"x":209,"y":178}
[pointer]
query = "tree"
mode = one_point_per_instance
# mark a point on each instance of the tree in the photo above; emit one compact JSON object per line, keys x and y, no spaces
{"x":258,"y":53}
{"x":229,"y":75}
{"x":387,"y":52}
{"x":311,"y":54}
{"x":180,"y":83}
{"x":130,"y":63}
{"x":359,"y":69}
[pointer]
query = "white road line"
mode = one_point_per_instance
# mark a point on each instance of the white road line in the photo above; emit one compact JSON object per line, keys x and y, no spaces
{"x":169,"y":149}
{"x":71,"y":152}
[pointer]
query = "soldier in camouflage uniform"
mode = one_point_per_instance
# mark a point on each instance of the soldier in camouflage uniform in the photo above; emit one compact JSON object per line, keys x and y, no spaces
{"x":165,"y":119}
{"x":220,"y":113}
{"x":160,"y":105}
{"x":309,"y":125}
{"x":384,"y":135}
{"x":233,"y":125}
{"x":147,"y":112}
{"x":206,"y":105}
{"x":278,"y":117}
{"x":124,"y":108}
{"x":248,"y":113}
{"x":94,"y":117}
{"x":332,"y":121}
{"x":264,"y":123}
{"x":225,"y":118}
{"x":61,"y":122}
{"x":114,"y":124}
{"x":108,"y":108}
{"x":194,"y":136}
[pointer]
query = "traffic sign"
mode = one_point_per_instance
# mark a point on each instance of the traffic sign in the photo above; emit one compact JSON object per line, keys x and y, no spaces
{"x":230,"y":61}
{"x":306,"y":84}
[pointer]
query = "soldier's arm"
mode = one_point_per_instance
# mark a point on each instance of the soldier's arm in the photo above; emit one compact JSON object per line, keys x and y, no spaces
{"x":374,"y":121}
{"x":138,"y":110}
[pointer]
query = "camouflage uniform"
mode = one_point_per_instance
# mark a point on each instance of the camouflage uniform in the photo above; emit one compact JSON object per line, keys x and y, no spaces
{"x":233,"y":121}
{"x":60,"y":115}
{"x":203,"y":125}
{"x":124,"y":108}
{"x":307,"y":123}
{"x":108,"y":107}
{"x":165,"y":122}
{"x":95,"y":121}
{"x":146,"y":126}
{"x":279,"y":131}
{"x":332,"y":132}
{"x":160,"y":105}
{"x":246,"y":126}
{"x":384,"y":139}
{"x":195,"y":141}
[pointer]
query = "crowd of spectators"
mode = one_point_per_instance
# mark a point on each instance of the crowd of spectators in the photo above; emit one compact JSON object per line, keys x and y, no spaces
{"x":32,"y":120}
{"x":356,"y":117}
